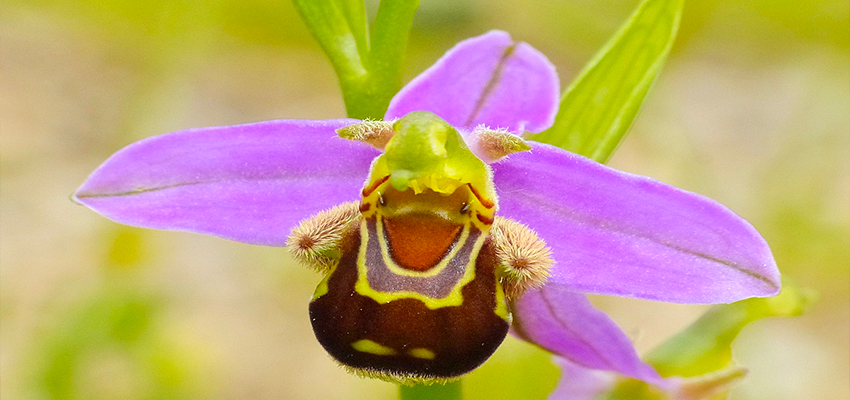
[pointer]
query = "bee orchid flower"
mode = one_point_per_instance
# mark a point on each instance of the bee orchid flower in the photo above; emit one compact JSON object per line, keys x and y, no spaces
{"x":441,"y":227}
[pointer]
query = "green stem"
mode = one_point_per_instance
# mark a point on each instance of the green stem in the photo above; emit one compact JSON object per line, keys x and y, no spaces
{"x":448,"y":391}
{"x":369,"y":68}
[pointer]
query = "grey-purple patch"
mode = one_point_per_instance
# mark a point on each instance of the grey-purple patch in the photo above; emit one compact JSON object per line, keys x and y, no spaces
{"x":382,"y":279}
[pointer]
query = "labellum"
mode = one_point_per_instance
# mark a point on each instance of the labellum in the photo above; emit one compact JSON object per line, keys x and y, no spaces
{"x":415,"y":286}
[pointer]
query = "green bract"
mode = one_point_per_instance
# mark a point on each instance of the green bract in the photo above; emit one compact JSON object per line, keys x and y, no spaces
{"x":599,"y":106}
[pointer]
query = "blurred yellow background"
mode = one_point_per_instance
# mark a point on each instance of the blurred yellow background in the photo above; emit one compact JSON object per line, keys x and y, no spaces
{"x":752,"y":109}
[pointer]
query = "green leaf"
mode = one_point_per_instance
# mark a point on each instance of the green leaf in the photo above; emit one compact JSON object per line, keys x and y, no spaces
{"x":390,"y":35}
{"x":369,"y":69}
{"x":355,"y":15}
{"x":706,"y":345}
{"x":328,"y":22}
{"x":599,"y":106}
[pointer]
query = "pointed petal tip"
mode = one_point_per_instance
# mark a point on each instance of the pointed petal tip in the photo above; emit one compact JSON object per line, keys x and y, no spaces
{"x":86,"y":190}
{"x":74,"y":198}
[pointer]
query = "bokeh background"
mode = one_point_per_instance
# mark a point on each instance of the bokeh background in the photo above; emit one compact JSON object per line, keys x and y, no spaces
{"x":752,"y":109}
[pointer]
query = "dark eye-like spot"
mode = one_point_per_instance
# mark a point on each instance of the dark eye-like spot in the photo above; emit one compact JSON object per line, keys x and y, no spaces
{"x":381,"y":200}
{"x":464,"y":208}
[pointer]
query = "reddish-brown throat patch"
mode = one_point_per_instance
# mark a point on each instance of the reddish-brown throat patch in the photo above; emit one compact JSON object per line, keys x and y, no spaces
{"x":419,"y":241}
{"x":421,"y":229}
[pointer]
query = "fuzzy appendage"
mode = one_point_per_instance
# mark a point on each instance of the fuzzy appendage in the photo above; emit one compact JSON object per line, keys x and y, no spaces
{"x":374,"y":133}
{"x":315,"y":241}
{"x":492,"y":145}
{"x":524,"y":257}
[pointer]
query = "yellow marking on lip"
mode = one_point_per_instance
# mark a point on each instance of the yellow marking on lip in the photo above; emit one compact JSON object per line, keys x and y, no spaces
{"x":422,"y":353}
{"x":368,"y":346}
{"x":501,"y":304}
{"x":322,"y":288}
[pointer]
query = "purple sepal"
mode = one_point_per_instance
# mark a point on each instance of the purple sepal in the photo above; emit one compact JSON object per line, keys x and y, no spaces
{"x":566,"y":324}
{"x":621,"y":234}
{"x":488,"y":79}
{"x":250,"y":183}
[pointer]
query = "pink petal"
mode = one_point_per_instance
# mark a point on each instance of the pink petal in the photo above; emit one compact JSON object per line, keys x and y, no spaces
{"x":581,"y":383}
{"x":621,"y":234}
{"x":250,"y":183}
{"x":490,"y":80}
{"x":566,"y":324}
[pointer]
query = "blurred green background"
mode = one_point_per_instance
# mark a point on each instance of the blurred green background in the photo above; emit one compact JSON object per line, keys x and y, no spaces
{"x":752,"y":109}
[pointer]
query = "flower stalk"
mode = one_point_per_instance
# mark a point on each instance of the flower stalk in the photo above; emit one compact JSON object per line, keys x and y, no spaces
{"x":368,"y":60}
{"x":448,"y":391}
